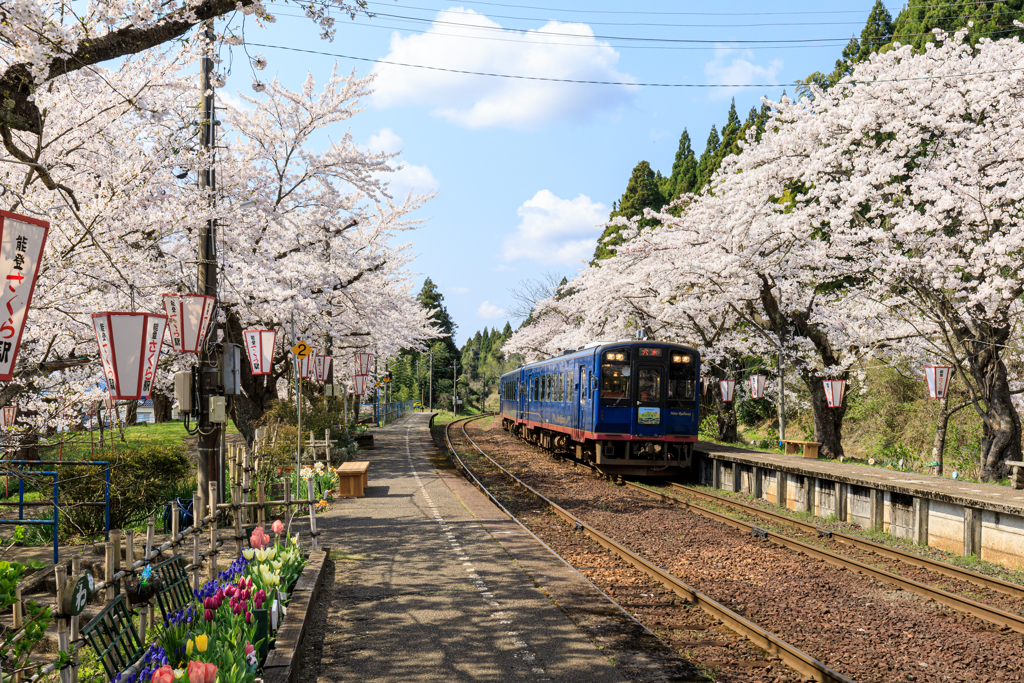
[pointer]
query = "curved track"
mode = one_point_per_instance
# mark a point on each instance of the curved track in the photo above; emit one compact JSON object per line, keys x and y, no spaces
{"x":789,"y":654}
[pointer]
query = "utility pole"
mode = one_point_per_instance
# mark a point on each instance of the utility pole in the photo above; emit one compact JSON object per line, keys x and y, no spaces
{"x":781,"y":368}
{"x":431,"y":380}
{"x":455,"y":389}
{"x":209,"y":469}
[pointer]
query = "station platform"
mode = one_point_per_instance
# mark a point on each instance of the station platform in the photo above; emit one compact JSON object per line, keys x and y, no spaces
{"x":956,"y":516}
{"x":433,"y":583}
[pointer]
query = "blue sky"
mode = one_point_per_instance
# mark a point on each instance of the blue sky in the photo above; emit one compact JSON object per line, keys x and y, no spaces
{"x":524,"y":169}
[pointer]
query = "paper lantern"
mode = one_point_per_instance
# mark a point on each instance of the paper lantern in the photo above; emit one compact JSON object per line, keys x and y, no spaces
{"x":188,"y":317}
{"x":259,"y":344}
{"x":834,"y":390}
{"x":757,"y":385}
{"x":728,"y":387}
{"x":321,"y":366}
{"x":21,"y":250}
{"x":130,"y":346}
{"x":7,"y":416}
{"x":938,"y":377}
{"x":363,"y":361}
{"x":306,"y":364}
{"x":360,"y":382}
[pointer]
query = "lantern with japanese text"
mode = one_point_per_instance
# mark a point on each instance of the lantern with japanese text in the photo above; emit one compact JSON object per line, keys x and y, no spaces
{"x":7,"y":416}
{"x":834,"y":390}
{"x":188,"y":317}
{"x":259,"y":344}
{"x":130,"y":346}
{"x":363,"y":361}
{"x":938,"y":377}
{"x":306,"y":364}
{"x":757,"y":386}
{"x":360,"y":382}
{"x":21,"y":250}
{"x":728,"y":386}
{"x":321,"y":367}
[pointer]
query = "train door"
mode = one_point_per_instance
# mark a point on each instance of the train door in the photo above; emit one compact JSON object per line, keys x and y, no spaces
{"x":521,"y":398}
{"x":647,"y":417}
{"x":580,"y":404}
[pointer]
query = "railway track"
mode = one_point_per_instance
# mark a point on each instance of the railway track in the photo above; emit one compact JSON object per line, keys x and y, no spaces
{"x":796,"y":659}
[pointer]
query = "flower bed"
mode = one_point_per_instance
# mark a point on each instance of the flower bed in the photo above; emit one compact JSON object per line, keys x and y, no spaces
{"x":224,"y":635}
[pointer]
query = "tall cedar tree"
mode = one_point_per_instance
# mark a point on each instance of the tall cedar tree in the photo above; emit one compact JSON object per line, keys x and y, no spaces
{"x":706,"y":166}
{"x":877,"y":35}
{"x":684,"y":169}
{"x":993,"y":20}
{"x":642,"y":192}
{"x":431,"y":298}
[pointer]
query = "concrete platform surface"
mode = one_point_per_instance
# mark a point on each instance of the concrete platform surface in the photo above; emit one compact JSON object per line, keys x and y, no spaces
{"x":982,"y":496}
{"x":423,"y":592}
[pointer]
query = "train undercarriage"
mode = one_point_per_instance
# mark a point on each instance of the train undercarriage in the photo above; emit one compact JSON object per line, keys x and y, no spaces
{"x":637,"y":458}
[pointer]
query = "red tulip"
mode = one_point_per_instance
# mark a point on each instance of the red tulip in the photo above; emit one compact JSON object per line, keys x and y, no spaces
{"x":208,"y":615}
{"x":237,"y":609}
{"x":201,"y":672}
{"x":165,"y":674}
{"x":248,"y":617}
{"x":249,"y":649}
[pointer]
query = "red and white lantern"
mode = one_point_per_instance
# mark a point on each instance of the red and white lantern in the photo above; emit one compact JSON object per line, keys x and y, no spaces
{"x":757,"y":385}
{"x":21,"y":250}
{"x":259,"y":344}
{"x":728,"y":387}
{"x":363,"y":361}
{"x":360,"y":382}
{"x":938,"y":377}
{"x":321,"y":366}
{"x":834,"y":390}
{"x":7,"y":416}
{"x":188,"y":317}
{"x":306,"y":364}
{"x":130,"y":346}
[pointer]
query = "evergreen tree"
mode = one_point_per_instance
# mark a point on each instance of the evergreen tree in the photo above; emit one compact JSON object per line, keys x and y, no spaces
{"x":707,"y":159}
{"x":914,"y":24}
{"x":642,"y":192}
{"x":430,"y":297}
{"x":684,"y":168}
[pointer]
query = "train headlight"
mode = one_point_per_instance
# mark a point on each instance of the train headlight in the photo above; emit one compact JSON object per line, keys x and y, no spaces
{"x":680,"y":359}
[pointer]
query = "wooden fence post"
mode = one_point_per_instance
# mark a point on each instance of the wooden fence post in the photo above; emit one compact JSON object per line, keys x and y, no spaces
{"x":17,"y":622}
{"x":312,"y":514}
{"x":115,"y":538}
{"x":212,"y":573}
{"x":236,"y":498}
{"x":150,"y":540}
{"x":76,"y":569}
{"x":175,"y":522}
{"x":108,"y":570}
{"x":261,"y":498}
{"x":246,"y":484}
{"x":197,"y":523}
{"x":288,"y":506}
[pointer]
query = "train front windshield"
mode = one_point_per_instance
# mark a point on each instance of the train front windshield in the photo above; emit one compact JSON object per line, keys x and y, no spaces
{"x":682,"y":381}
{"x":615,"y":378}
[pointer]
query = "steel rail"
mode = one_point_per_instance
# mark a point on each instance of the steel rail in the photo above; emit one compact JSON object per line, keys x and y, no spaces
{"x":993,"y":615}
{"x":990,"y":582}
{"x":793,"y":657}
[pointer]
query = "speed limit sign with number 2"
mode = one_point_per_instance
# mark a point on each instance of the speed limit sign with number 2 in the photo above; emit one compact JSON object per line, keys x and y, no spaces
{"x":302,"y":349}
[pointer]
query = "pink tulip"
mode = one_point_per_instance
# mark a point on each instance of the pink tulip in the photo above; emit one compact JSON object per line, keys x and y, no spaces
{"x":201,"y":672}
{"x":249,"y":649}
{"x":257,"y":539}
{"x":248,"y":617}
{"x":165,"y":674}
{"x":278,"y":526}
{"x":237,"y":609}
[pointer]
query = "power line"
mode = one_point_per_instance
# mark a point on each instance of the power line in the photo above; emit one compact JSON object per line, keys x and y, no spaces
{"x":625,"y":83}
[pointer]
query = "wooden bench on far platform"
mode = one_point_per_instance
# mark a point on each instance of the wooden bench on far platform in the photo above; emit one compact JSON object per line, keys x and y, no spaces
{"x":352,"y":479}
{"x":1016,"y":473}
{"x":808,"y":449}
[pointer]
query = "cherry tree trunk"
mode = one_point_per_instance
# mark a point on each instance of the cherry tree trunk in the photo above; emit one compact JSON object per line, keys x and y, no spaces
{"x":1002,"y":424}
{"x":939,"y":443}
{"x":828,"y":422}
{"x":726,"y":416}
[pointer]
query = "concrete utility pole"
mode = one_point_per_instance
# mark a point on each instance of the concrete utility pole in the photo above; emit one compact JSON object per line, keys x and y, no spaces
{"x":431,"y":380}
{"x":209,"y":468}
{"x":455,"y":389}
{"x":782,"y":384}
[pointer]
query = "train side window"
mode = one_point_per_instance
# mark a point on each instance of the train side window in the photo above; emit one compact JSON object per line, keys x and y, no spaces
{"x":550,"y":382}
{"x":561,"y":387}
{"x":568,"y":386}
{"x":615,"y":377}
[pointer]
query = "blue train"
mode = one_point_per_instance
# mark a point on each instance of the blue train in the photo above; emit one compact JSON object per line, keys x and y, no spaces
{"x":630,"y":407}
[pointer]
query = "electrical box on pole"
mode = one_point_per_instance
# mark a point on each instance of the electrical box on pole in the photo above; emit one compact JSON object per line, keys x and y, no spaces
{"x":231,"y":369}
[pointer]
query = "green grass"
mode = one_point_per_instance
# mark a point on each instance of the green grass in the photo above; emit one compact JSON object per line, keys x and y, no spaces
{"x":80,"y":445}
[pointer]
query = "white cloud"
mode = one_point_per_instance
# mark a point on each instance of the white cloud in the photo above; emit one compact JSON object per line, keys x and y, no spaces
{"x":404,"y":178}
{"x":733,"y":67}
{"x":552,"y":230}
{"x":459,"y":290}
{"x":481,"y":101}
{"x":491,"y":311}
{"x":502,"y":268}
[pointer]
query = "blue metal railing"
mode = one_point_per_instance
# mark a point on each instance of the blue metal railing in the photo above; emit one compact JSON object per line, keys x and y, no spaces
{"x":55,"y":522}
{"x":386,"y":413}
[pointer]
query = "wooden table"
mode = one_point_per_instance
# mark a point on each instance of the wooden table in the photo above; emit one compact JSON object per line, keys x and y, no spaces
{"x":808,"y":449}
{"x":352,"y":479}
{"x":1016,"y":473}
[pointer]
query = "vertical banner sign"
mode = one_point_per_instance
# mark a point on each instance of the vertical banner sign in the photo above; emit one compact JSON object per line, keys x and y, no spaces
{"x":360,"y":381}
{"x":259,"y":344}
{"x":8,"y":416}
{"x":938,"y":377}
{"x":306,"y":364}
{"x":363,"y":361}
{"x":728,"y":386}
{"x":130,"y":346}
{"x":757,"y":386}
{"x":188,"y":317}
{"x":21,"y":251}
{"x":321,"y":366}
{"x":834,"y":390}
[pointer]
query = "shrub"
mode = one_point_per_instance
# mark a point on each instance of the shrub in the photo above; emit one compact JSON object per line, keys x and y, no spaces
{"x":142,"y":480}
{"x":754,"y":411}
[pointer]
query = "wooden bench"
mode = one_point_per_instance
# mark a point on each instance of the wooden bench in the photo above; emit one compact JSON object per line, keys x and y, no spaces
{"x":1016,"y":473}
{"x":808,"y":449}
{"x":352,"y":479}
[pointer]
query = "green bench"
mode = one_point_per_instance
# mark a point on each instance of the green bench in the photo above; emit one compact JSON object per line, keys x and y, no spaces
{"x":113,"y":637}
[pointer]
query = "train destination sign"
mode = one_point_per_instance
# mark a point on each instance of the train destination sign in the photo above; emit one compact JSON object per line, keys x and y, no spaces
{"x":649,"y":352}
